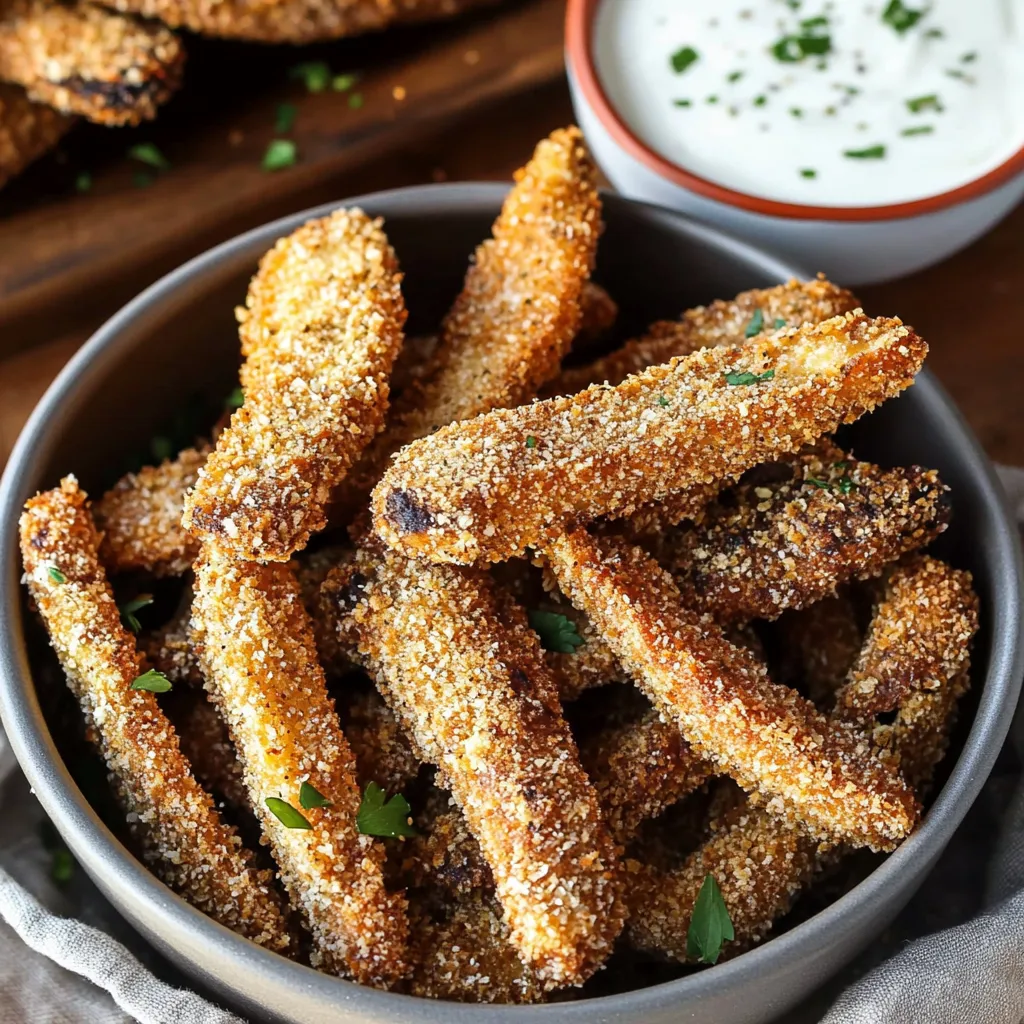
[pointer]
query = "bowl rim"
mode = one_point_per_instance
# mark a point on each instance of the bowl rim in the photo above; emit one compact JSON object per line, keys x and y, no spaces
{"x":112,"y":864}
{"x":579,"y":48}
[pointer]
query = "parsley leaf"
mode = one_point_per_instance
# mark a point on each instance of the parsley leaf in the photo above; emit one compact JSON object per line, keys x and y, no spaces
{"x":55,"y":574}
{"x":310,"y":797}
{"x":663,"y":402}
{"x":129,"y":608}
{"x":314,"y":75}
{"x":921,"y":103}
{"x":756,"y":325}
{"x":286,"y":814}
{"x":376,"y":817}
{"x":152,"y":682}
{"x":901,"y":17}
{"x":234,"y":400}
{"x":147,"y":153}
{"x":531,"y":441}
{"x":683,"y":58}
{"x":557,"y":633}
{"x":710,"y":924}
{"x":281,"y":153}
{"x":285,"y":119}
{"x":748,"y":378}
{"x":871,"y":153}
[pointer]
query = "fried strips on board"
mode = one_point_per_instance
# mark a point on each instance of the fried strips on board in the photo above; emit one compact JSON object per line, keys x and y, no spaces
{"x":27,"y":131}
{"x":180,"y":833}
{"x":469,"y":683}
{"x":81,"y":59}
{"x":765,"y":736}
{"x":489,"y":488}
{"x":256,"y":645}
{"x":324,"y":324}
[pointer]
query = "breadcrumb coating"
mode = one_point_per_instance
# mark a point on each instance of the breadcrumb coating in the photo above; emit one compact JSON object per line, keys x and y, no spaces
{"x":256,"y":646}
{"x":793,"y":530}
{"x":767,"y":737}
{"x":598,"y":313}
{"x":519,"y":308}
{"x":383,"y":751}
{"x":293,"y":21}
{"x":324,"y":324}
{"x":489,"y":488}
{"x":447,"y":857}
{"x":81,"y":59}
{"x":312,"y":570}
{"x":140,"y":518}
{"x":722,"y":323}
{"x":27,"y":131}
{"x":169,"y":649}
{"x":470,"y":685}
{"x":180,"y":833}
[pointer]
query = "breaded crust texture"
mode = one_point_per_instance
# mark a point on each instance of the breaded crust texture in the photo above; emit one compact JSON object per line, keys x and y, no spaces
{"x":27,"y":131}
{"x":323,"y":327}
{"x":180,"y":832}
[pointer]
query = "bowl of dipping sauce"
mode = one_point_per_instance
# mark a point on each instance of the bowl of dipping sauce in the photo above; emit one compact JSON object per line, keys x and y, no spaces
{"x":866,"y":139}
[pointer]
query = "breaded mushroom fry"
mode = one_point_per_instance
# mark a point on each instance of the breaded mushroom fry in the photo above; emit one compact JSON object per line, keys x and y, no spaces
{"x":27,"y":131}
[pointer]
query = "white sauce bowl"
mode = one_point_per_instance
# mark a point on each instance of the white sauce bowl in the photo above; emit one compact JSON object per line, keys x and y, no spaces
{"x":854,"y":245}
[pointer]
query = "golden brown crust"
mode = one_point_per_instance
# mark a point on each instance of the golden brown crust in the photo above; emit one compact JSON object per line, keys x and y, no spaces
{"x":140,"y":518}
{"x":259,"y":658}
{"x":492,"y":486}
{"x":383,"y":751}
{"x":791,"y":531}
{"x":598,"y":313}
{"x":471,"y":686}
{"x":312,"y":570}
{"x":324,"y":324}
{"x":81,"y":59}
{"x":765,"y":736}
{"x":27,"y":131}
{"x":719,"y":324}
{"x":169,"y":649}
{"x":181,"y":835}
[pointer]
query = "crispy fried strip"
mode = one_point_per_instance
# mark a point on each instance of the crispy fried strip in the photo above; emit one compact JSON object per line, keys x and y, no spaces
{"x":469,"y":683}
{"x":140,"y":518}
{"x":383,"y":751}
{"x":598,"y":313}
{"x":490,"y":487}
{"x":169,"y":649}
{"x":720,"y":324}
{"x":27,"y":131}
{"x":312,"y":570}
{"x":792,"y":531}
{"x":324,"y":325}
{"x":765,"y":736}
{"x":259,"y":659}
{"x":762,"y":862}
{"x":84,"y":60}
{"x":180,"y":833}
{"x":293,"y":21}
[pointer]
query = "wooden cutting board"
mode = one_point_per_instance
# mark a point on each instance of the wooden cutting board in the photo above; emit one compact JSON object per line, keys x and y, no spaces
{"x":65,"y":254}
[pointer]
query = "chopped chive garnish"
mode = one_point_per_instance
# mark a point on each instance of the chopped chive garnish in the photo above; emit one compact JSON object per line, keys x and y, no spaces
{"x":683,"y":58}
{"x":822,"y":485}
{"x":921,"y":103}
{"x":808,"y":172}
{"x":922,"y":129}
{"x":871,"y":153}
{"x":734,"y":76}
{"x":960,"y":76}
{"x":683,"y":103}
{"x":147,"y":153}
{"x":286,"y":814}
{"x":969,"y":58}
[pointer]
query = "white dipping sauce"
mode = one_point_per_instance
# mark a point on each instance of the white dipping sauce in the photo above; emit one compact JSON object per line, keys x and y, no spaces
{"x":879,"y":103}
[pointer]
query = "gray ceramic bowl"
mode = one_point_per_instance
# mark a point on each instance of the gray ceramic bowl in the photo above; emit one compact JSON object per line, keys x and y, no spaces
{"x":179,"y":337}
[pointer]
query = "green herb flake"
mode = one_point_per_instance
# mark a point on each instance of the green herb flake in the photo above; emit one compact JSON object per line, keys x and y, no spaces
{"x":811,"y":25}
{"x":921,"y":129}
{"x":822,"y":485}
{"x":683,"y":58}
{"x":779,"y":323}
{"x":129,"y":608}
{"x":281,"y":153}
{"x":792,"y":49}
{"x":919,"y":104}
{"x":310,"y":797}
{"x":55,"y":574}
{"x":355,"y":100}
{"x":682,"y":103}
{"x":314,"y":75}
{"x":531,"y":441}
{"x":378,"y":816}
{"x":83,"y":182}
{"x":748,"y":378}
{"x":284,"y":120}
{"x":756,"y":324}
{"x":147,"y":153}
{"x":342,"y":83}
{"x":286,"y":814}
{"x":734,"y":76}
{"x":152,"y":682}
{"x":710,"y":924}
{"x":663,"y":402}
{"x":760,"y":101}
{"x":845,"y":484}
{"x":557,"y":632}
{"x":712,"y":99}
{"x":960,"y":76}
{"x":62,"y":865}
{"x":969,"y":58}
{"x":901,"y":17}
{"x":935,"y":33}
{"x":871,"y":153}
{"x":796,"y":111}
{"x":235,"y":399}
{"x":808,"y":172}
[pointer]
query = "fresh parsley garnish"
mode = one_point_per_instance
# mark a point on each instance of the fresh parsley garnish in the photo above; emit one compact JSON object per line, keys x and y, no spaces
{"x":235,"y":399}
{"x":285,"y":118}
{"x":900,"y":16}
{"x":83,"y":181}
{"x":310,"y":797}
{"x":778,"y":323}
{"x":756,"y":325}
{"x":921,"y":129}
{"x":871,"y":153}
{"x":557,"y":632}
{"x":663,"y":402}
{"x":152,"y":682}
{"x":129,"y":608}
{"x":748,"y":378}
{"x":355,"y":100}
{"x":281,"y":153}
{"x":378,"y":816}
{"x":147,"y":153}
{"x":921,"y":103}
{"x":683,"y":58}
{"x":314,"y":74}
{"x":710,"y":924}
{"x":792,"y":49}
{"x":55,"y":574}
{"x":531,"y":441}
{"x":344,"y":82}
{"x":286,"y":814}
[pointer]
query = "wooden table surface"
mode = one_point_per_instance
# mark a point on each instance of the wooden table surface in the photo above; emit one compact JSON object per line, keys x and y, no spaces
{"x":970,"y":308}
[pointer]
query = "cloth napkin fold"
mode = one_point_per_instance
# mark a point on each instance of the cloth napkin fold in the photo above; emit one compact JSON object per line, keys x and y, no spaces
{"x":955,"y":954}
